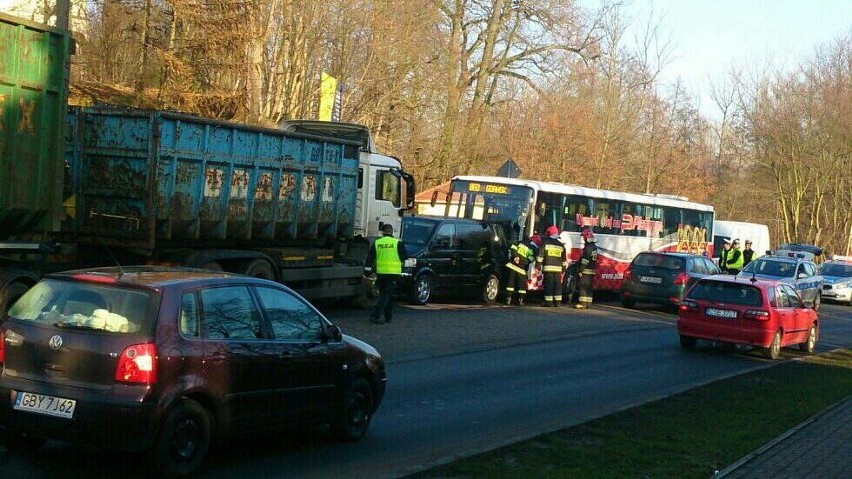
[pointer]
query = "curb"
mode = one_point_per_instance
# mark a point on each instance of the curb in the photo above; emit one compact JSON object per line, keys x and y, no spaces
{"x":748,"y":457}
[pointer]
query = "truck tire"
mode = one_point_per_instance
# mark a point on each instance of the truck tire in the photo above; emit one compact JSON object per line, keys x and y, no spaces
{"x":260,"y":268}
{"x":213,"y":266}
{"x":14,"y":290}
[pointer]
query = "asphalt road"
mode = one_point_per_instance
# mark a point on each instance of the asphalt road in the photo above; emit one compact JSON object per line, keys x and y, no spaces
{"x":466,"y":379}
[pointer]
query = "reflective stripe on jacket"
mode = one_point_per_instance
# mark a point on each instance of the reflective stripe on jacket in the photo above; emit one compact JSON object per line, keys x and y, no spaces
{"x":387,"y":256}
{"x":552,"y":256}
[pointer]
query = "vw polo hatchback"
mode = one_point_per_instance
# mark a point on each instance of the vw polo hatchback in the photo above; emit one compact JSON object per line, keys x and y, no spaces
{"x":167,"y":360}
{"x":766,"y":314}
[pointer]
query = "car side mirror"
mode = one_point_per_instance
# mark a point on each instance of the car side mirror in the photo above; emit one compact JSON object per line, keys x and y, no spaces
{"x":333,"y":331}
{"x":802,"y":275}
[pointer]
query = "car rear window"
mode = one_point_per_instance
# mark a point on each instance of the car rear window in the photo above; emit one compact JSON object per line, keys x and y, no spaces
{"x":658,"y":261}
{"x":725,"y":292}
{"x":84,"y":305}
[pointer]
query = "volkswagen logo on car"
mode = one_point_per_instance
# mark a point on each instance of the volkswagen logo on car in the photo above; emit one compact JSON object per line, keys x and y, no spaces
{"x":55,"y":342}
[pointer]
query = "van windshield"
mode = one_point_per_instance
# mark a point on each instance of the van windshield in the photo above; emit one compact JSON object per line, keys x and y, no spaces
{"x":724,"y":292}
{"x":79,"y":305}
{"x":416,"y":231}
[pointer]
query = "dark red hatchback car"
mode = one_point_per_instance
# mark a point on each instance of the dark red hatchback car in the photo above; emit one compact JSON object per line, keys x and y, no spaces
{"x":729,"y":309}
{"x":166,"y":360}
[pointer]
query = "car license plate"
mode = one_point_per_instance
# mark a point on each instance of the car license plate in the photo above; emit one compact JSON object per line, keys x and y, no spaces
{"x":42,"y":404}
{"x":721,"y":313}
{"x":651,"y":279}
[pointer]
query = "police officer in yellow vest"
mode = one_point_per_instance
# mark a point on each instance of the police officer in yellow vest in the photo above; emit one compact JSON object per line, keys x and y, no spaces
{"x":387,"y":256}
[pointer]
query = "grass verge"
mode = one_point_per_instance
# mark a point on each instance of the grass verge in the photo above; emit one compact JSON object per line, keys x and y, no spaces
{"x":691,"y":434}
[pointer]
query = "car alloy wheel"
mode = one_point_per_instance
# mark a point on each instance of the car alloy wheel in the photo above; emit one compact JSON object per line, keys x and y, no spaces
{"x":422,"y":289}
{"x":491,"y":290}
{"x":810,"y":344}
{"x":774,"y":349}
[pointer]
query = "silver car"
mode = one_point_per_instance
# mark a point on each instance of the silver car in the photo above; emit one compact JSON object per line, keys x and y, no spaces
{"x":838,"y":280}
{"x":792,"y":268}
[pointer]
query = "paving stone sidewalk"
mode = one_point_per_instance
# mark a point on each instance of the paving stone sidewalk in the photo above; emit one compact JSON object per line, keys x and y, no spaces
{"x":819,"y":448}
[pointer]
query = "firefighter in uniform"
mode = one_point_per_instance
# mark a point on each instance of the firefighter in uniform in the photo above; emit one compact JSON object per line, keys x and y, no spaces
{"x":553,"y":258}
{"x":387,"y":256}
{"x":520,"y":257}
{"x":586,"y":269}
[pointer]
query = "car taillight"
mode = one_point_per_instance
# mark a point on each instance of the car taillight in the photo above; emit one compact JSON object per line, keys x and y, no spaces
{"x":681,"y":278}
{"x":688,"y":305}
{"x":2,"y":349}
{"x":137,"y":364}
{"x":757,"y":314}
{"x":628,"y":274}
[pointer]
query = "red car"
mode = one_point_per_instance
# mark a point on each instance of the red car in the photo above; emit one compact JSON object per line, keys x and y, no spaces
{"x":728,"y":309}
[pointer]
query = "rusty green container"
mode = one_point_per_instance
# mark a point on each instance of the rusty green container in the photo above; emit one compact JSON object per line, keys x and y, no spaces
{"x":34,"y":69}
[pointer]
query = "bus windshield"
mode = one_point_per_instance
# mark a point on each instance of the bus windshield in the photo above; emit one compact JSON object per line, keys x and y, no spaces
{"x":493,"y":202}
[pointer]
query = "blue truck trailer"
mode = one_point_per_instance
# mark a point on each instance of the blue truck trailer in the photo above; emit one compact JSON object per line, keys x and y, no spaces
{"x":298,"y":204}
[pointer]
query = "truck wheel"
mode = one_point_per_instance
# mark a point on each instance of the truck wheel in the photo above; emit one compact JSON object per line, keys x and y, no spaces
{"x":260,"y":268}
{"x":421,"y":291}
{"x":14,"y":290}
{"x":213,"y":266}
{"x":491,"y":289}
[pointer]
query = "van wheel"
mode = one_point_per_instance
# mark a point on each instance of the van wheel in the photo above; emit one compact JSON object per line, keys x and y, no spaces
{"x":491,"y":289}
{"x":184,"y":439}
{"x":14,"y":290}
{"x":810,"y":344}
{"x":774,"y":349}
{"x":260,"y":268}
{"x":356,"y":411}
{"x":421,"y":291}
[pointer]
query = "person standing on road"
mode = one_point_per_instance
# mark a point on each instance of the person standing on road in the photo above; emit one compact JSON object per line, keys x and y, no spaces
{"x":586,"y":269}
{"x":387,"y":256}
{"x":748,"y":253}
{"x":520,"y":257}
{"x":724,"y":255}
{"x":552,"y":257}
{"x":735,"y":258}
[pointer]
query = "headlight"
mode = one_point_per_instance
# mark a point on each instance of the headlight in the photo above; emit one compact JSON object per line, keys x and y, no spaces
{"x":843,"y":285}
{"x":410,"y":262}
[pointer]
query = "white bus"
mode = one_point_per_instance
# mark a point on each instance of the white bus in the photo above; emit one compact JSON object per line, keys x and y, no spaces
{"x":624,"y":224}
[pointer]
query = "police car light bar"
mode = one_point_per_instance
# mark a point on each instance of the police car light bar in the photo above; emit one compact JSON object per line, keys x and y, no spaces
{"x":837,"y":257}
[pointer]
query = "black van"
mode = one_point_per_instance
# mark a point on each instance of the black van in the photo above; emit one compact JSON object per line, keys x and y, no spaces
{"x":447,"y":256}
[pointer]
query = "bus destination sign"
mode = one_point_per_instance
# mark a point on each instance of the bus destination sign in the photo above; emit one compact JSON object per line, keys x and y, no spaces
{"x":487,"y":188}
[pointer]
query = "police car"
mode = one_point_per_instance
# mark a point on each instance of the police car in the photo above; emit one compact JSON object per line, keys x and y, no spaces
{"x":837,"y":273}
{"x":794,"y":267}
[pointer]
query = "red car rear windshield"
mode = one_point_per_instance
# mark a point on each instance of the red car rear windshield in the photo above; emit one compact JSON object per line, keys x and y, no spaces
{"x":725,"y":292}
{"x":83,"y":305}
